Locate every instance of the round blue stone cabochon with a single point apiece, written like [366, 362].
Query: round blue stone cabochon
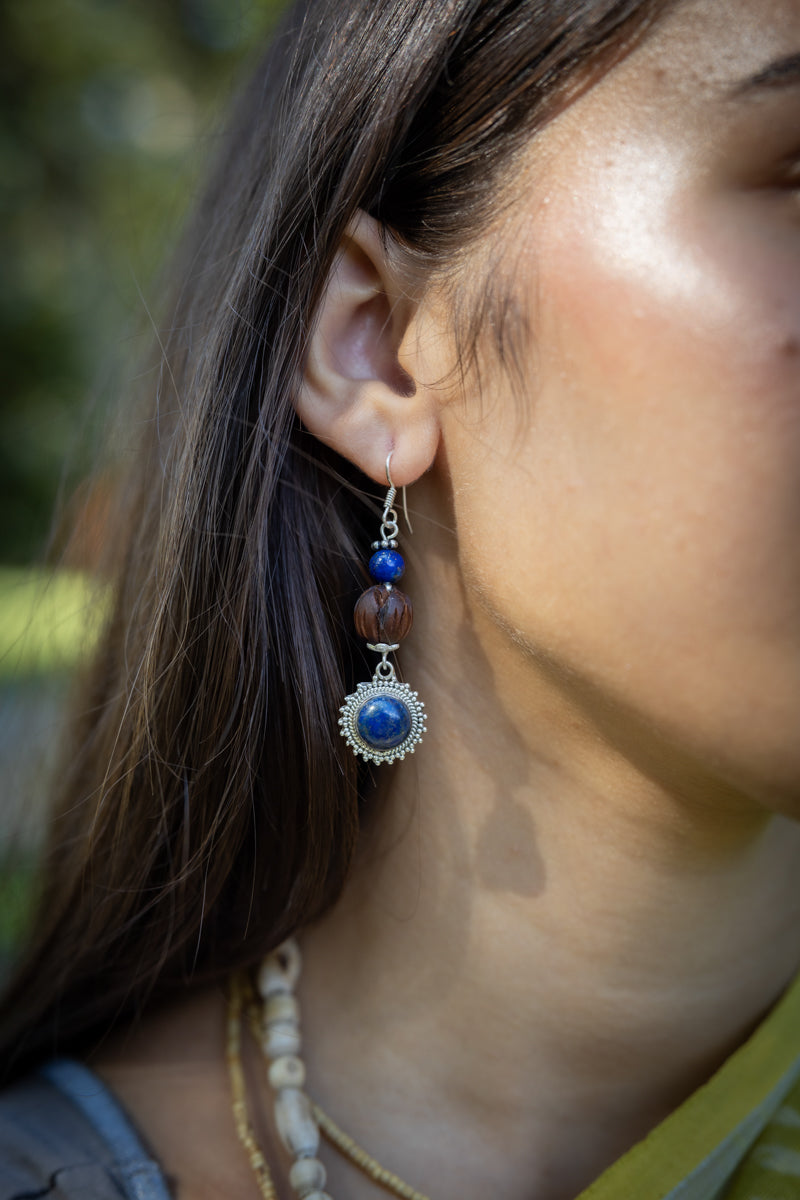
[386, 566]
[383, 722]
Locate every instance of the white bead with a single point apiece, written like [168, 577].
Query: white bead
[307, 1175]
[293, 960]
[280, 970]
[281, 1041]
[272, 978]
[317, 1196]
[287, 1071]
[281, 1007]
[297, 1128]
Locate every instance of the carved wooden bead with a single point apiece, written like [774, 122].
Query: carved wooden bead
[281, 1007]
[383, 614]
[296, 1125]
[287, 1071]
[307, 1175]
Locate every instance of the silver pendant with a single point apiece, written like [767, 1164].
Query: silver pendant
[383, 720]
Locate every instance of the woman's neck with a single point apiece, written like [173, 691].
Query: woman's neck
[540, 937]
[554, 925]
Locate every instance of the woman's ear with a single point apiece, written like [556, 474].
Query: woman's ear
[359, 392]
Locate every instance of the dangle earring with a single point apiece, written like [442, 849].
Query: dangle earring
[383, 720]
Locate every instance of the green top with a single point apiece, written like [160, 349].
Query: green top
[737, 1137]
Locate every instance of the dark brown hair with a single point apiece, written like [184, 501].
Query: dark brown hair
[207, 806]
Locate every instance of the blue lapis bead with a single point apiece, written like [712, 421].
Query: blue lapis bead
[386, 566]
[384, 722]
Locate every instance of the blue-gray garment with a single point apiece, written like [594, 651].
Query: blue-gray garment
[63, 1136]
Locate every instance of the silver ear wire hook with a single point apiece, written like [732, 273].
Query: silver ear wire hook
[390, 495]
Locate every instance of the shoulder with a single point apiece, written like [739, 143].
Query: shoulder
[63, 1136]
[47, 1146]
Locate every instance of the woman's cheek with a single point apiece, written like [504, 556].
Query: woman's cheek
[658, 480]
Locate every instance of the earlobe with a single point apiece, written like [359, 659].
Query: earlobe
[357, 395]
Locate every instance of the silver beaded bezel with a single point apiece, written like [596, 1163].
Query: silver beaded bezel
[348, 721]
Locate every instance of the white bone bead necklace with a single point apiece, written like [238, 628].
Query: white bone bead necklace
[297, 1119]
[281, 1044]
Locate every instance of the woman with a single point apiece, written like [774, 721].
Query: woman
[541, 264]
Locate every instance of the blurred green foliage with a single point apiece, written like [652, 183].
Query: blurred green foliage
[106, 110]
[48, 620]
[17, 892]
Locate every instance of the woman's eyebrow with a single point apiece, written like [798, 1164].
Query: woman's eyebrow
[783, 72]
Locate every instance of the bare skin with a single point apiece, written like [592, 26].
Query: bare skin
[581, 894]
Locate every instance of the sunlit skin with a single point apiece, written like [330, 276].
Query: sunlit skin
[581, 894]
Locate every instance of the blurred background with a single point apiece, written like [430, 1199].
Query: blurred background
[109, 112]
